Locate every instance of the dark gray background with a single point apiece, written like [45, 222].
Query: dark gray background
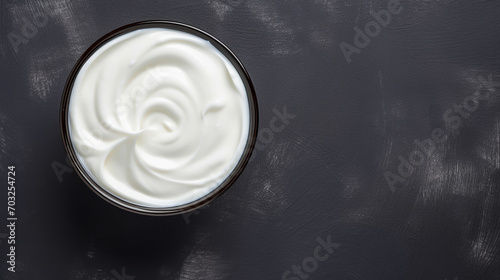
[322, 175]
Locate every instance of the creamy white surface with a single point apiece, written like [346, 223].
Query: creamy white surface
[158, 117]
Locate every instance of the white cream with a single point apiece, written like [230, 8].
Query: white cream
[159, 117]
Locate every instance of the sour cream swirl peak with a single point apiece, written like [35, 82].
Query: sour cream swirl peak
[158, 117]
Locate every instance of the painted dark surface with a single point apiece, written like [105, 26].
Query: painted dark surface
[322, 176]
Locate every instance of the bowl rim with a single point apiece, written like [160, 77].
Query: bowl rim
[147, 210]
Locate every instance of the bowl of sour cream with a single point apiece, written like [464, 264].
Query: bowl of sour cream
[159, 117]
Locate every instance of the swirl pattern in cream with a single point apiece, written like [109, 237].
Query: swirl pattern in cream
[158, 117]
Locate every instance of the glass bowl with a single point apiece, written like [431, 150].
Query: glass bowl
[133, 207]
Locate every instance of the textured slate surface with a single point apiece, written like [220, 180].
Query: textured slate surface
[432, 70]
